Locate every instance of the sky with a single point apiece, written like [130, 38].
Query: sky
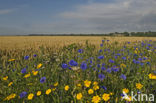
[22, 17]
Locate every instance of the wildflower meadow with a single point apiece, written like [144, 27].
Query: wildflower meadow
[109, 73]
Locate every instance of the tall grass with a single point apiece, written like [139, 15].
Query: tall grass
[68, 73]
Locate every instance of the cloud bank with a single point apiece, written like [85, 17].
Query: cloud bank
[121, 15]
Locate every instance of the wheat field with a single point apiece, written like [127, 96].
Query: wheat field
[25, 42]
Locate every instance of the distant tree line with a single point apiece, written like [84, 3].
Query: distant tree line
[138, 34]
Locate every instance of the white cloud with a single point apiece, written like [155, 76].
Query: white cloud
[121, 15]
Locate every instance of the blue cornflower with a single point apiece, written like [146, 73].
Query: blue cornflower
[101, 76]
[122, 94]
[72, 63]
[91, 58]
[103, 68]
[134, 61]
[141, 64]
[87, 60]
[141, 54]
[111, 61]
[70, 68]
[129, 42]
[115, 69]
[103, 64]
[147, 48]
[23, 94]
[142, 44]
[101, 45]
[144, 58]
[137, 62]
[103, 87]
[13, 70]
[34, 55]
[91, 61]
[115, 57]
[26, 66]
[83, 66]
[80, 50]
[98, 65]
[108, 50]
[148, 62]
[94, 69]
[103, 41]
[109, 70]
[124, 58]
[64, 66]
[124, 46]
[118, 54]
[123, 77]
[140, 59]
[149, 44]
[26, 57]
[90, 66]
[43, 79]
[100, 57]
[23, 70]
[100, 51]
[135, 55]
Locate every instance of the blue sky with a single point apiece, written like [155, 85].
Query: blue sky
[76, 16]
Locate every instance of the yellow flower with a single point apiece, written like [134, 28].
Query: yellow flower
[79, 85]
[35, 72]
[79, 96]
[11, 96]
[139, 86]
[11, 60]
[39, 66]
[95, 83]
[106, 96]
[122, 66]
[111, 93]
[90, 91]
[125, 90]
[38, 93]
[5, 78]
[27, 75]
[152, 76]
[66, 88]
[48, 91]
[135, 51]
[87, 83]
[53, 89]
[56, 84]
[10, 84]
[30, 96]
[96, 99]
[95, 87]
